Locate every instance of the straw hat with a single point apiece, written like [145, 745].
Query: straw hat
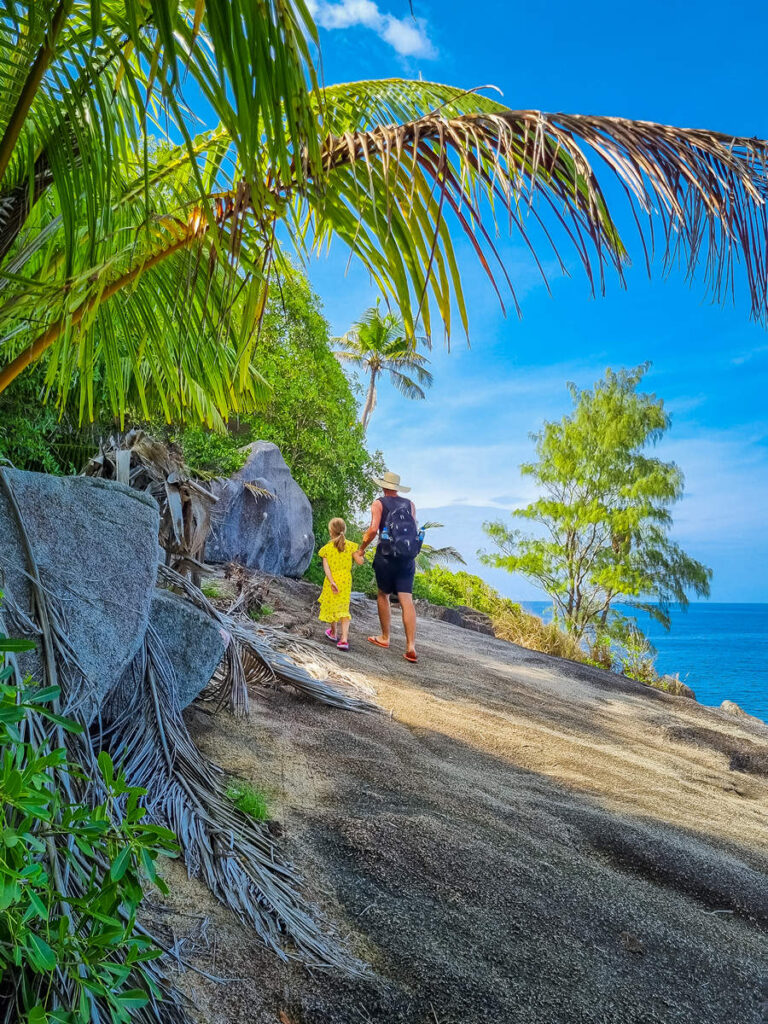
[390, 482]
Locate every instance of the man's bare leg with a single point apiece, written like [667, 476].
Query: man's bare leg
[385, 617]
[409, 621]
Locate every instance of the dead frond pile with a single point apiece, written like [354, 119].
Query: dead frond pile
[158, 469]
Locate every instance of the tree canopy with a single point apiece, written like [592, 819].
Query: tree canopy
[129, 232]
[603, 517]
[309, 413]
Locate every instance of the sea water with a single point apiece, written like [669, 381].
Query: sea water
[719, 650]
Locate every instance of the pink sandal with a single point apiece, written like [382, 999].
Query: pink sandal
[331, 636]
[343, 645]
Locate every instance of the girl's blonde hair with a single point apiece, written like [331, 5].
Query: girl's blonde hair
[338, 530]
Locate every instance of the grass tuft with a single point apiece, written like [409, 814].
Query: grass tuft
[263, 611]
[520, 627]
[211, 589]
[249, 800]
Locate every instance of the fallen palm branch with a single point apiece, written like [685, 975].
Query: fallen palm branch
[158, 469]
[141, 727]
[253, 657]
[234, 854]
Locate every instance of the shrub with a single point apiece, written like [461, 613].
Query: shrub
[71, 876]
[441, 586]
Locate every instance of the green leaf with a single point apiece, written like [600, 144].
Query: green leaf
[10, 645]
[120, 864]
[42, 954]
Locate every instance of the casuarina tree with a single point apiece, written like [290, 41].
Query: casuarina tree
[603, 517]
[377, 344]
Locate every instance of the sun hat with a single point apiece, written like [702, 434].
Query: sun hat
[390, 482]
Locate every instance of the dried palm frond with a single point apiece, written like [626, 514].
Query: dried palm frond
[157, 468]
[233, 853]
[252, 657]
[60, 668]
[142, 728]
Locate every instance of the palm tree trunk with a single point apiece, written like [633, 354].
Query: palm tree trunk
[370, 401]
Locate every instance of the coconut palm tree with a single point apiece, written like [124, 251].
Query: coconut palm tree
[377, 344]
[136, 251]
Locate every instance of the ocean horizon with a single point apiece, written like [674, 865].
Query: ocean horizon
[720, 650]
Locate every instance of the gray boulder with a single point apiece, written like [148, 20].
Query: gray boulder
[271, 533]
[194, 643]
[462, 615]
[95, 544]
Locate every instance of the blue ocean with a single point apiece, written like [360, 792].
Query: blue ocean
[719, 650]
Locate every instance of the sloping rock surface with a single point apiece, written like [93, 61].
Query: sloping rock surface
[95, 543]
[272, 533]
[524, 841]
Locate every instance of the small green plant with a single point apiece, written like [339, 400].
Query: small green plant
[211, 589]
[262, 612]
[71, 875]
[249, 800]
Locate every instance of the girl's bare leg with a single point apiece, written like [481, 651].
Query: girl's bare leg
[344, 630]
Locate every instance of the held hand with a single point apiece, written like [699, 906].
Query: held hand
[359, 557]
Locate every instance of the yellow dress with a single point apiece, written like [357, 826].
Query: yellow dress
[336, 606]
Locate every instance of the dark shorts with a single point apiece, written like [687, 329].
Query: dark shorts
[394, 575]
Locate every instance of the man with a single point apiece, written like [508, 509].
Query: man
[394, 573]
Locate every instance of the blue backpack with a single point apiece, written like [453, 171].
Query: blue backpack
[402, 533]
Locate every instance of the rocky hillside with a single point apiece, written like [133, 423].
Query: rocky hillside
[519, 839]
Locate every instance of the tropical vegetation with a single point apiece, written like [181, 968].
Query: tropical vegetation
[308, 410]
[603, 518]
[379, 344]
[72, 875]
[137, 247]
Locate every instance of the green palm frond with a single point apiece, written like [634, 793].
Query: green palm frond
[396, 192]
[405, 385]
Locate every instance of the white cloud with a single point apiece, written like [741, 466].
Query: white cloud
[407, 36]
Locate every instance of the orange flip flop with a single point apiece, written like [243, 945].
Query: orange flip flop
[411, 656]
[377, 643]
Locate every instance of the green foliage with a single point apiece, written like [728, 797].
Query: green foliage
[262, 612]
[441, 586]
[209, 452]
[32, 436]
[310, 413]
[211, 589]
[74, 945]
[249, 800]
[603, 518]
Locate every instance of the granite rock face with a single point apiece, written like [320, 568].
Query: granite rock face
[95, 545]
[271, 533]
[461, 615]
[194, 643]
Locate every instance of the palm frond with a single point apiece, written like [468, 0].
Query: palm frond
[253, 656]
[60, 669]
[405, 385]
[233, 853]
[391, 190]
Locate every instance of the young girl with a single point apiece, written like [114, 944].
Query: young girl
[334, 600]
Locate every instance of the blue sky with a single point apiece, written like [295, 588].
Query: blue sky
[680, 63]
